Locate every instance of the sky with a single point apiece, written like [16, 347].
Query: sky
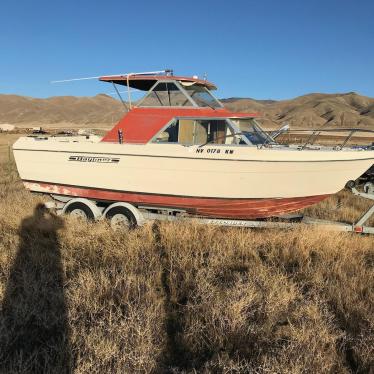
[264, 49]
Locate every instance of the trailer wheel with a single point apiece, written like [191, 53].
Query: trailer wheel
[80, 210]
[121, 218]
[350, 184]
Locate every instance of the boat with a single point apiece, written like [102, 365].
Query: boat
[179, 148]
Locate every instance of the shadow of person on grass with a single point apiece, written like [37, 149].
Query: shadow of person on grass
[34, 323]
[176, 354]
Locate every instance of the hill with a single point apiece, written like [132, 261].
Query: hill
[22, 110]
[312, 110]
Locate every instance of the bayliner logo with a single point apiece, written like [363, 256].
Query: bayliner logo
[104, 160]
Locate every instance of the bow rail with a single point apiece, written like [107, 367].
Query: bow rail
[316, 133]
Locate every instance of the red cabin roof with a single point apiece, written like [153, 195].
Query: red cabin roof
[145, 82]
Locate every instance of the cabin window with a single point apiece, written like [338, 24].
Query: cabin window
[252, 131]
[171, 94]
[197, 132]
[165, 94]
[202, 96]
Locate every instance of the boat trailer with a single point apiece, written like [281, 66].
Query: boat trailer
[292, 221]
[122, 214]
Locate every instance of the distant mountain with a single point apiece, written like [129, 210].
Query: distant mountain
[312, 110]
[235, 99]
[21, 110]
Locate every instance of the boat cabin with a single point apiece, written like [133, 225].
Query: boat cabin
[179, 110]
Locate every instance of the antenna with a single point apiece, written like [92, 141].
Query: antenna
[166, 71]
[74, 79]
[115, 92]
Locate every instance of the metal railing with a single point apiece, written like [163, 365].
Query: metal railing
[270, 141]
[317, 133]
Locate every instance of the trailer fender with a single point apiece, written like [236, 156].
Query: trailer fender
[96, 212]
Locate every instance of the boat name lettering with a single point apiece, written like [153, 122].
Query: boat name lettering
[94, 159]
[215, 150]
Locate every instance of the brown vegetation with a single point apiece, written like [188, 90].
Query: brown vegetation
[178, 297]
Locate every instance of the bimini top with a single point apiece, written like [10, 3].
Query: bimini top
[166, 90]
[145, 82]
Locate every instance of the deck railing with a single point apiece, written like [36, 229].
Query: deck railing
[315, 134]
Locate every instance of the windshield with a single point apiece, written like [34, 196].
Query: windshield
[252, 131]
[202, 96]
[165, 94]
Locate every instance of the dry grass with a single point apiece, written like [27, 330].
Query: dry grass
[6, 140]
[183, 298]
[342, 207]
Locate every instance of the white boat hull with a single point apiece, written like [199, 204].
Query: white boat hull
[215, 172]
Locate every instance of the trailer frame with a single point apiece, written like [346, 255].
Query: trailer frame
[138, 215]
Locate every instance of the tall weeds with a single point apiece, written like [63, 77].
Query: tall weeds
[178, 297]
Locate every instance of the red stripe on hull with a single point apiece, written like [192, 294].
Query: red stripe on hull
[208, 207]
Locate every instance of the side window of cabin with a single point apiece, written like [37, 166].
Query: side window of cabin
[252, 131]
[197, 132]
[169, 135]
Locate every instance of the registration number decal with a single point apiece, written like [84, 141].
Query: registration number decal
[215, 150]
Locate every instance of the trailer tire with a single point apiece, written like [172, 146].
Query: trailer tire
[350, 184]
[80, 210]
[121, 218]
